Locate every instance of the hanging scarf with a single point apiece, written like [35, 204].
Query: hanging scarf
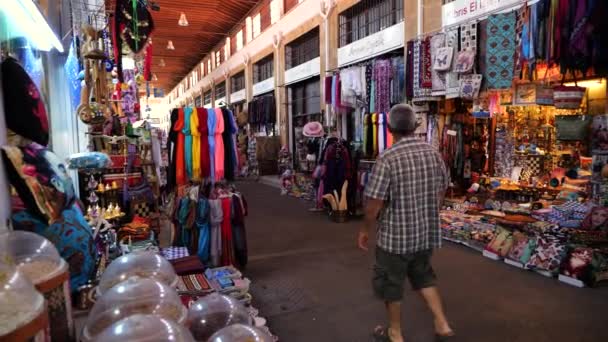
[381, 133]
[211, 123]
[219, 145]
[188, 141]
[227, 242]
[180, 171]
[202, 224]
[375, 133]
[204, 142]
[216, 217]
[196, 145]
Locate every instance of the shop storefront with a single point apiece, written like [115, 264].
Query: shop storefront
[514, 98]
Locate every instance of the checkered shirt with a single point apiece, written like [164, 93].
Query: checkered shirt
[409, 177]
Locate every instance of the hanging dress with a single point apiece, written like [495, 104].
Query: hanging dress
[239, 235]
[204, 142]
[196, 145]
[180, 171]
[204, 231]
[216, 216]
[228, 136]
[227, 242]
[188, 142]
[219, 145]
[211, 138]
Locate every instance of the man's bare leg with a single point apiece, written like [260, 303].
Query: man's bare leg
[394, 318]
[433, 301]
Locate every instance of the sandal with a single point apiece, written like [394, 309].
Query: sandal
[380, 334]
[444, 338]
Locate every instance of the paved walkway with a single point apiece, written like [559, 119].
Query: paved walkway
[313, 285]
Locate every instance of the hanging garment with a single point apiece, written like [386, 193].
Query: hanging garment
[338, 167]
[328, 83]
[426, 65]
[499, 51]
[409, 75]
[227, 242]
[182, 219]
[438, 77]
[204, 142]
[188, 142]
[452, 82]
[239, 234]
[382, 79]
[375, 134]
[202, 225]
[180, 167]
[229, 138]
[381, 133]
[366, 126]
[216, 216]
[172, 148]
[196, 145]
[211, 124]
[219, 145]
[389, 135]
[368, 86]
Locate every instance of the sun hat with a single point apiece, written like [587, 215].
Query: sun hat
[313, 129]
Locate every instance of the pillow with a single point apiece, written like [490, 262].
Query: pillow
[72, 237]
[24, 110]
[40, 179]
[548, 255]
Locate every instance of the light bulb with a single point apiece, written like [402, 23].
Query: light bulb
[170, 45]
[182, 20]
[161, 62]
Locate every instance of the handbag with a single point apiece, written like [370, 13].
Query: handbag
[470, 85]
[568, 97]
[464, 61]
[443, 59]
[572, 127]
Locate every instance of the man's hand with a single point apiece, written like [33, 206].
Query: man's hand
[363, 241]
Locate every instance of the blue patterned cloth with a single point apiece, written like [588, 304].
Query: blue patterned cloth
[500, 48]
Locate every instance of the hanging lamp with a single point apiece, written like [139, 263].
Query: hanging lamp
[170, 45]
[182, 20]
[161, 62]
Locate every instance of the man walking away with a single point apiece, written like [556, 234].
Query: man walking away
[404, 195]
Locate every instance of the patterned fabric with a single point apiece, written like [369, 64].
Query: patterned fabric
[548, 255]
[409, 175]
[500, 47]
[426, 64]
[72, 237]
[382, 77]
[452, 78]
[437, 42]
[409, 74]
[40, 178]
[468, 36]
[171, 253]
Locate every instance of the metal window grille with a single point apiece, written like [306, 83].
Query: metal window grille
[264, 69]
[207, 98]
[302, 49]
[220, 90]
[237, 82]
[368, 17]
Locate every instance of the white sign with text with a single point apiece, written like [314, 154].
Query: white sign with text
[460, 11]
[237, 96]
[384, 41]
[303, 71]
[263, 87]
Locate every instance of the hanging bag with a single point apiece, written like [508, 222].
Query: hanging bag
[572, 127]
[470, 85]
[544, 92]
[568, 97]
[443, 59]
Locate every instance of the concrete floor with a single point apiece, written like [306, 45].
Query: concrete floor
[313, 284]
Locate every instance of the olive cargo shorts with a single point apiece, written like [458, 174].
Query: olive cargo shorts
[391, 270]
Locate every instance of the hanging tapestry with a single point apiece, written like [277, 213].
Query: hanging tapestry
[468, 36]
[483, 43]
[437, 43]
[499, 50]
[452, 82]
[426, 64]
[409, 74]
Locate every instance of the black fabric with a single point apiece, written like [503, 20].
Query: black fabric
[23, 107]
[262, 110]
[172, 139]
[229, 167]
[239, 234]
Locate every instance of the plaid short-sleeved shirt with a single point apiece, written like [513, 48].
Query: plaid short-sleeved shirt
[409, 178]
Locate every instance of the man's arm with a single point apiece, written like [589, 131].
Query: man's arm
[376, 193]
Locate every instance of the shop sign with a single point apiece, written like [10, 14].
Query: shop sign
[263, 87]
[303, 71]
[237, 96]
[460, 11]
[376, 44]
[219, 101]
